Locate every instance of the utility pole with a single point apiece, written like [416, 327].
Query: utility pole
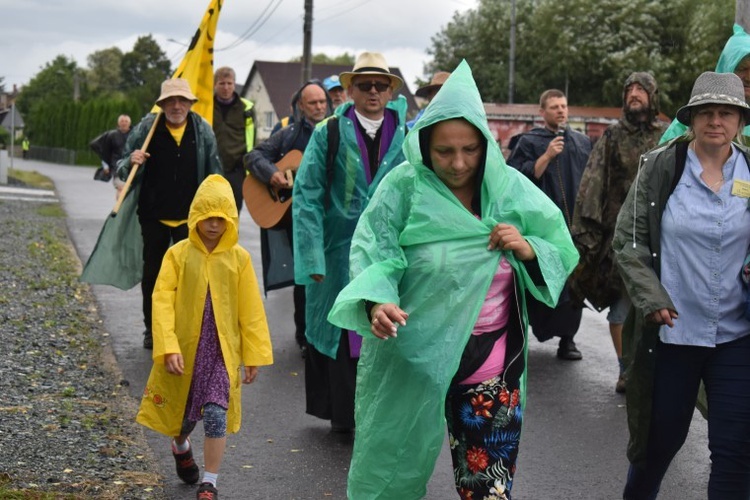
[742, 14]
[307, 43]
[512, 57]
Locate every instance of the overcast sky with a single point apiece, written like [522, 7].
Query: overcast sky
[36, 31]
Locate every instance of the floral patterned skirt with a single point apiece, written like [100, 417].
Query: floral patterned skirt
[484, 429]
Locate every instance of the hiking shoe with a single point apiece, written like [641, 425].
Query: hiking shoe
[622, 381]
[207, 491]
[187, 469]
[568, 350]
[148, 339]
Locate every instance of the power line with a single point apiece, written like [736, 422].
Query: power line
[338, 14]
[253, 29]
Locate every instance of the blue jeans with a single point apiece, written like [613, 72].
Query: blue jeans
[725, 371]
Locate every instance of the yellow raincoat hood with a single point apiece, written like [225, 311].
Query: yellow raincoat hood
[214, 198]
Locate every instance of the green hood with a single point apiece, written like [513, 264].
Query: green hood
[736, 49]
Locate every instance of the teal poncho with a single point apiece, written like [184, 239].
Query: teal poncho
[417, 246]
[736, 48]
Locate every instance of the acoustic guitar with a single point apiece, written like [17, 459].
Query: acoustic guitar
[268, 206]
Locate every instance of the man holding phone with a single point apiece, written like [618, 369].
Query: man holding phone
[554, 157]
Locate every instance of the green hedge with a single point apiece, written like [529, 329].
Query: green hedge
[72, 125]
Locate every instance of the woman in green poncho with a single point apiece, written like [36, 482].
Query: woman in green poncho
[440, 262]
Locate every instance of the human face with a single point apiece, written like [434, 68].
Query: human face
[224, 88]
[555, 112]
[743, 71]
[211, 231]
[176, 110]
[456, 148]
[123, 123]
[715, 125]
[370, 103]
[313, 103]
[636, 98]
[337, 95]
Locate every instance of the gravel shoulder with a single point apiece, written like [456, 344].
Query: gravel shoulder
[67, 426]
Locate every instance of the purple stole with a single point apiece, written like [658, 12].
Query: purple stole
[387, 131]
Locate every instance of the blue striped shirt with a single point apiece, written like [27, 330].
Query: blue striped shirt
[705, 237]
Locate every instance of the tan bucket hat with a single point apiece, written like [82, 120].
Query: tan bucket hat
[175, 87]
[370, 63]
[438, 79]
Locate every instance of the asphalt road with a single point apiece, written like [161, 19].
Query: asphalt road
[574, 438]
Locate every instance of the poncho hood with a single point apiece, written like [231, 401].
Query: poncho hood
[214, 198]
[648, 82]
[458, 98]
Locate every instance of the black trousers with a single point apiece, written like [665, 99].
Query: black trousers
[330, 383]
[156, 240]
[236, 178]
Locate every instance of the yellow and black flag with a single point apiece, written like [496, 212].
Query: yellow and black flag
[117, 258]
[197, 67]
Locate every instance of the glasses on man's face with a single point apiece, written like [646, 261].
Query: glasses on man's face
[366, 86]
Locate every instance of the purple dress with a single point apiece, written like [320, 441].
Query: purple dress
[210, 382]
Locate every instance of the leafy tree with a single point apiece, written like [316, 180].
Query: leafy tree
[50, 87]
[143, 70]
[585, 48]
[105, 71]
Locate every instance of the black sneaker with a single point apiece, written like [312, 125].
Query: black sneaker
[568, 350]
[207, 491]
[187, 469]
[148, 339]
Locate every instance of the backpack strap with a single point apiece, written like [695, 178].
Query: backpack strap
[333, 149]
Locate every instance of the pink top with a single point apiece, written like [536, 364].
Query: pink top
[493, 316]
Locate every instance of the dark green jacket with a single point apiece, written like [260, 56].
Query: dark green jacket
[637, 246]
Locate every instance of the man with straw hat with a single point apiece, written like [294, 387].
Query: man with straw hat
[343, 164]
[427, 92]
[182, 153]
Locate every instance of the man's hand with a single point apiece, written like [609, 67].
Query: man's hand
[278, 180]
[138, 157]
[555, 147]
[317, 278]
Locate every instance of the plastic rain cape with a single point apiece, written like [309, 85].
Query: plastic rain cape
[416, 245]
[736, 48]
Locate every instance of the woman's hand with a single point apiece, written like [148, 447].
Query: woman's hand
[507, 237]
[174, 363]
[385, 320]
[662, 317]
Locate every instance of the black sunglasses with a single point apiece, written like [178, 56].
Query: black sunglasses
[366, 86]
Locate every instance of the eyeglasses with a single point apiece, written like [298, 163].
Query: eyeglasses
[366, 86]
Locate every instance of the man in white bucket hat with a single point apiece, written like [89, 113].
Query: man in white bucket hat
[182, 153]
[344, 161]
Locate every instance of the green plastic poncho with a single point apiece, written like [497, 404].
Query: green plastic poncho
[417, 246]
[325, 217]
[736, 49]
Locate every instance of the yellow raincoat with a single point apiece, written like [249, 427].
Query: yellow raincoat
[178, 302]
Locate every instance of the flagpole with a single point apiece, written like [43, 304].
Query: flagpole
[134, 167]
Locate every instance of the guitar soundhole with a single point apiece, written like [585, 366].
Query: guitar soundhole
[284, 194]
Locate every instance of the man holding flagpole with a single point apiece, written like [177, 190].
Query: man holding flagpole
[182, 153]
[125, 253]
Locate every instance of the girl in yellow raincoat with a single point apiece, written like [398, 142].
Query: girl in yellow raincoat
[208, 323]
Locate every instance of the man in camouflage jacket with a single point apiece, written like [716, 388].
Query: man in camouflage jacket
[611, 169]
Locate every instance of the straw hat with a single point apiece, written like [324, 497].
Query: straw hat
[438, 79]
[715, 88]
[175, 87]
[370, 63]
